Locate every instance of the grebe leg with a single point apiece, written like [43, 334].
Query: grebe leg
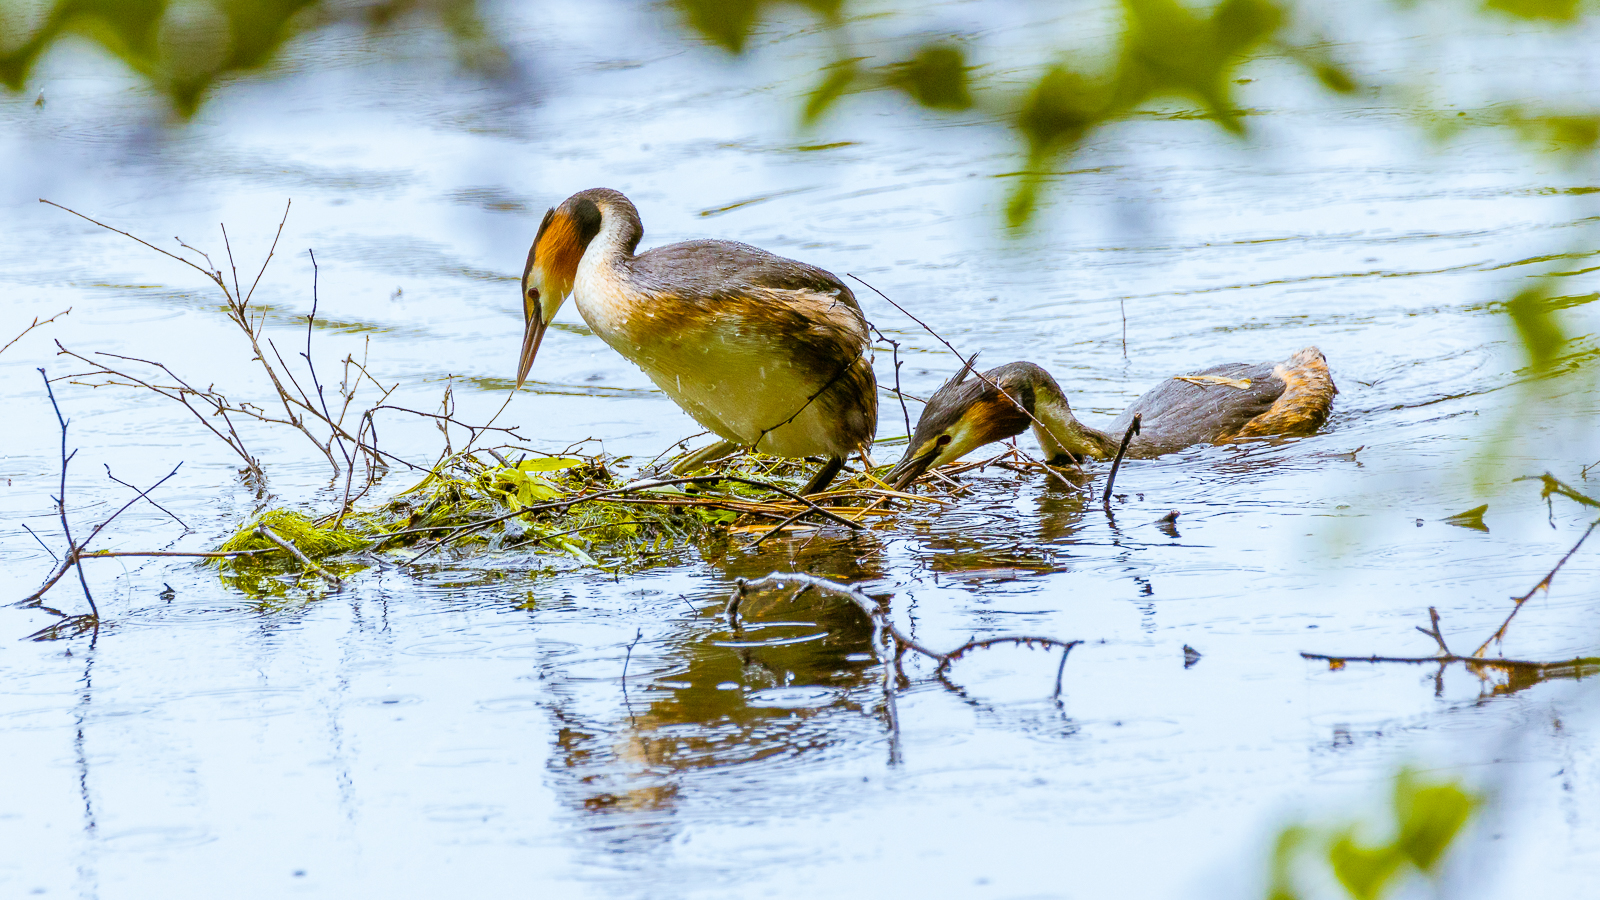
[697, 458]
[824, 476]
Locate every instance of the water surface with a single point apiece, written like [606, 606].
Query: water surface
[468, 729]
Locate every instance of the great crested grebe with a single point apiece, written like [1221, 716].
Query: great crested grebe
[1223, 403]
[768, 353]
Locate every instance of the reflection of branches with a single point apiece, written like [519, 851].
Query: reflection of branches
[888, 641]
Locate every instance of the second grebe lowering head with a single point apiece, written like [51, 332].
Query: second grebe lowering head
[1223, 403]
[767, 353]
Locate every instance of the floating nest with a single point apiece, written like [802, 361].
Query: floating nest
[563, 509]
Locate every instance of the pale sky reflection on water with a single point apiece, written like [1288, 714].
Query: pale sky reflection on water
[464, 732]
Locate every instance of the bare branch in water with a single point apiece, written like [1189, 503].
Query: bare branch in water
[1477, 662]
[170, 514]
[75, 549]
[61, 507]
[294, 551]
[1127, 437]
[36, 323]
[1544, 583]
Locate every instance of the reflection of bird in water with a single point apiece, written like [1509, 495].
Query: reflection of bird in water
[1223, 403]
[768, 353]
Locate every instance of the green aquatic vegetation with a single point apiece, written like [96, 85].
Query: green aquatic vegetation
[297, 528]
[569, 506]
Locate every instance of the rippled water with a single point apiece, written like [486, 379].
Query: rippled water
[470, 730]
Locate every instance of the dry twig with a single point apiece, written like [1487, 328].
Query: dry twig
[294, 551]
[1544, 583]
[323, 423]
[1477, 662]
[75, 549]
[628, 494]
[32, 325]
[1127, 436]
[979, 375]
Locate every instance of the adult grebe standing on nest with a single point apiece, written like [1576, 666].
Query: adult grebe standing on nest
[767, 353]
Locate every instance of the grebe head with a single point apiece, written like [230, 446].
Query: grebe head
[564, 236]
[965, 414]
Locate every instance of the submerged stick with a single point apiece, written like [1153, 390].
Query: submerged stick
[1469, 661]
[209, 554]
[294, 551]
[1127, 437]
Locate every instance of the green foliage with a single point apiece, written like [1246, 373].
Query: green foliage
[1538, 326]
[1549, 10]
[182, 48]
[729, 23]
[726, 23]
[315, 541]
[936, 77]
[1169, 49]
[1426, 818]
[838, 79]
[1166, 50]
[539, 505]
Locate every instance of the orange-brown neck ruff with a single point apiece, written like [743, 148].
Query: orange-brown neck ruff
[556, 251]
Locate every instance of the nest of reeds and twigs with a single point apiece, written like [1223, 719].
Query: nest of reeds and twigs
[572, 509]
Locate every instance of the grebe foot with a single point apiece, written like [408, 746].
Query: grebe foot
[687, 463]
[824, 476]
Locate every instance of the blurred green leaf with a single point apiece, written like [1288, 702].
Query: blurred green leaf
[1363, 871]
[1427, 817]
[182, 48]
[841, 75]
[726, 23]
[1284, 849]
[1548, 10]
[1573, 133]
[1181, 53]
[1538, 326]
[1430, 816]
[1060, 110]
[1239, 25]
[935, 77]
